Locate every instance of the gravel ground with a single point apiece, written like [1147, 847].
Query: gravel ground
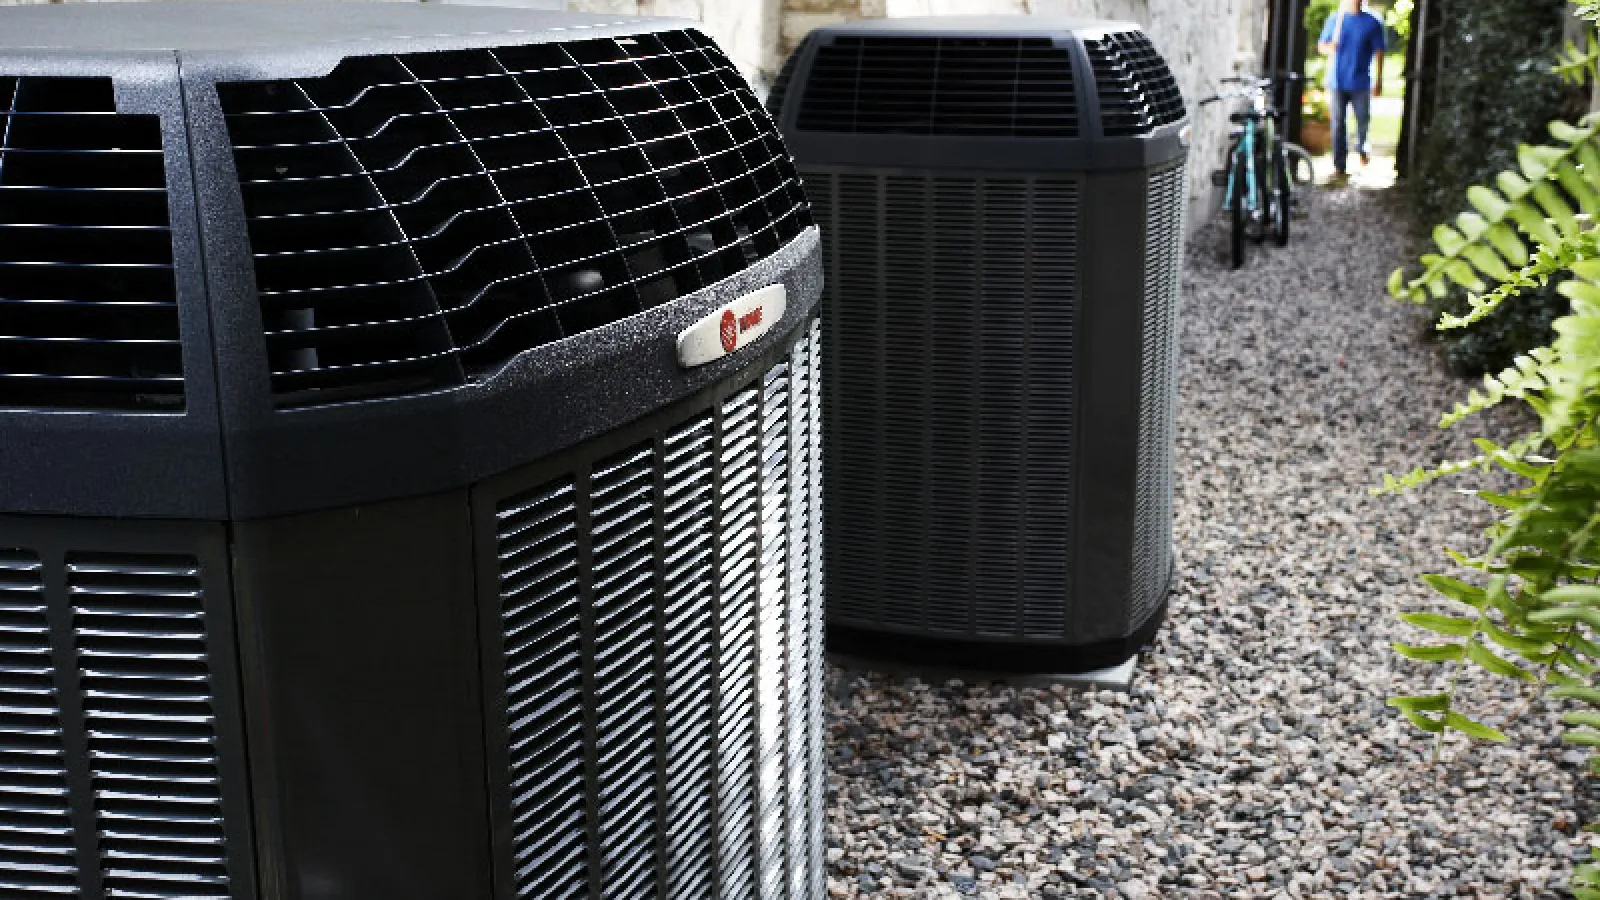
[1254, 756]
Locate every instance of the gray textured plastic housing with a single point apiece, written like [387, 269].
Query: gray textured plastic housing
[1001, 202]
[361, 535]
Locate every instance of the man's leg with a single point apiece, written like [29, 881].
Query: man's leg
[1336, 107]
[1362, 101]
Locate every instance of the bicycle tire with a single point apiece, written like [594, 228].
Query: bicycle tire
[1302, 179]
[1237, 210]
[1283, 198]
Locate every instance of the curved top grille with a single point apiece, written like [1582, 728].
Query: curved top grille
[419, 220]
[966, 86]
[88, 305]
[1136, 89]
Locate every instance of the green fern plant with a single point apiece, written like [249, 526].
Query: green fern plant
[1528, 606]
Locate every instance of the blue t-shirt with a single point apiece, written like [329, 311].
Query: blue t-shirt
[1360, 38]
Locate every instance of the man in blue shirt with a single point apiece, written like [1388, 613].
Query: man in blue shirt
[1351, 39]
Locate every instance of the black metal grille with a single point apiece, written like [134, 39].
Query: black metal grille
[1136, 89]
[109, 760]
[145, 676]
[981, 87]
[417, 221]
[951, 309]
[539, 589]
[37, 850]
[88, 305]
[1158, 395]
[668, 595]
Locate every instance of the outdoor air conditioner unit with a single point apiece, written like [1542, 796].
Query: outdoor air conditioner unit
[1001, 202]
[409, 427]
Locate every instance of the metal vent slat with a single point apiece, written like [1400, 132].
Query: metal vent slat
[774, 662]
[626, 692]
[955, 503]
[976, 87]
[88, 304]
[1152, 537]
[38, 856]
[1136, 89]
[144, 672]
[420, 220]
[540, 602]
[690, 561]
[738, 546]
[689, 463]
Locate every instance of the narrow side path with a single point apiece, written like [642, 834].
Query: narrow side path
[1255, 757]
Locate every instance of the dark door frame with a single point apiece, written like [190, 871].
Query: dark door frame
[1286, 52]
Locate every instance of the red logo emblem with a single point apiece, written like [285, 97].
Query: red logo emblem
[729, 331]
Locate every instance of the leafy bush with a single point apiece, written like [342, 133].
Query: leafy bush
[1493, 93]
[1530, 609]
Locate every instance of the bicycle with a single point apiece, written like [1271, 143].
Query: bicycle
[1260, 186]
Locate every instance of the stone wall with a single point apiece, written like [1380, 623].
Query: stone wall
[747, 29]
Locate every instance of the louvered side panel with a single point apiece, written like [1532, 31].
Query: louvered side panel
[953, 357]
[144, 671]
[773, 636]
[1001, 316]
[800, 585]
[626, 693]
[738, 545]
[817, 773]
[37, 850]
[853, 317]
[904, 405]
[1049, 404]
[688, 465]
[537, 547]
[951, 314]
[1152, 539]
[661, 617]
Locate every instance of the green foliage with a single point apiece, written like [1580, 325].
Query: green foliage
[1317, 14]
[1494, 94]
[1529, 609]
[1398, 19]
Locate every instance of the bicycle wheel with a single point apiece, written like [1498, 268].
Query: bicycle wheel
[1263, 214]
[1302, 178]
[1237, 210]
[1282, 198]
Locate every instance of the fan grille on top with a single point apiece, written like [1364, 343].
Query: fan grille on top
[981, 87]
[88, 305]
[1136, 89]
[419, 220]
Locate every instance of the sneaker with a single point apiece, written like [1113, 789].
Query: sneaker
[1366, 158]
[1338, 179]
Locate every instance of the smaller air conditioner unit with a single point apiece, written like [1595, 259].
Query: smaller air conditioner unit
[1002, 210]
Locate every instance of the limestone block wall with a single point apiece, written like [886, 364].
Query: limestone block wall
[747, 29]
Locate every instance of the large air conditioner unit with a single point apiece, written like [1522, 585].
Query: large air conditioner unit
[1001, 202]
[409, 427]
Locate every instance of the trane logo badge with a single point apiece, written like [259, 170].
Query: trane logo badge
[739, 324]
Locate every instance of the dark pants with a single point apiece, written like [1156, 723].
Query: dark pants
[1362, 102]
